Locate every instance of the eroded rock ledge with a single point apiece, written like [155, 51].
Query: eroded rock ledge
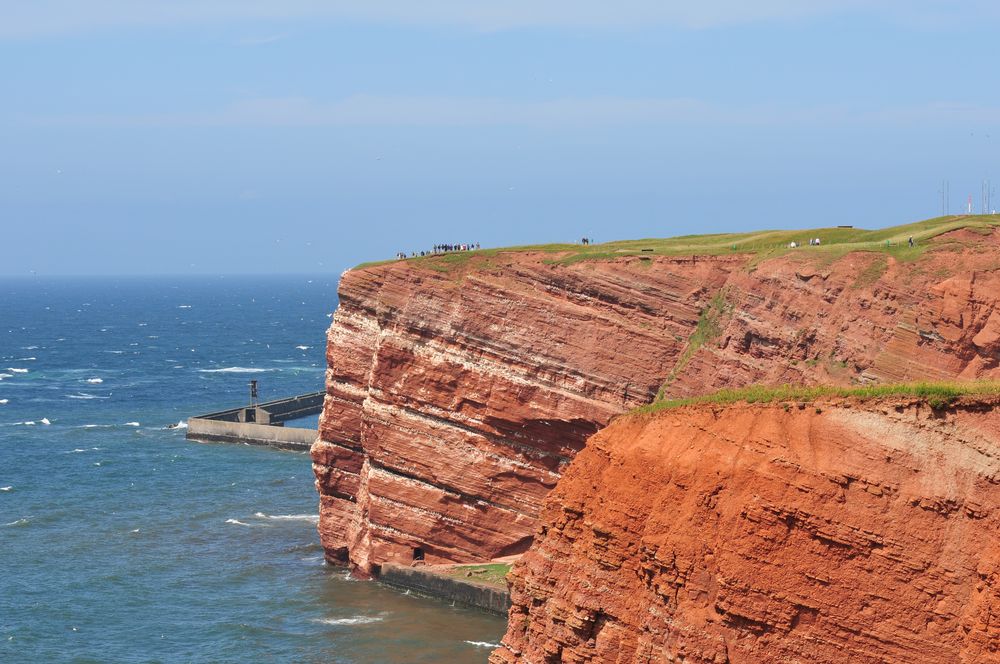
[841, 531]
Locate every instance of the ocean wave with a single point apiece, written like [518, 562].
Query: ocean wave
[483, 644]
[235, 370]
[288, 517]
[131, 424]
[45, 421]
[21, 371]
[354, 620]
[29, 347]
[180, 425]
[3, 401]
[26, 359]
[114, 352]
[95, 426]
[236, 522]
[183, 306]
[303, 347]
[6, 488]
[19, 522]
[95, 381]
[3, 375]
[84, 395]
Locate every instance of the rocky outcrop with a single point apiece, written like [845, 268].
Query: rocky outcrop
[836, 531]
[457, 393]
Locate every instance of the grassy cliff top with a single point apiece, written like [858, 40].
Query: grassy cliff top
[835, 242]
[937, 394]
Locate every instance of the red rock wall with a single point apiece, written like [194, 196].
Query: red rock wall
[839, 532]
[456, 399]
[454, 402]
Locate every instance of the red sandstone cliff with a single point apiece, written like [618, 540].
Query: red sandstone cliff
[839, 532]
[455, 399]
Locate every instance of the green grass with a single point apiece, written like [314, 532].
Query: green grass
[872, 273]
[761, 245]
[710, 324]
[937, 394]
[493, 573]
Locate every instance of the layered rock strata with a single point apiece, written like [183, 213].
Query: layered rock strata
[457, 394]
[838, 531]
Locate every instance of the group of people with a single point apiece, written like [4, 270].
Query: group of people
[445, 248]
[586, 240]
[814, 242]
[439, 249]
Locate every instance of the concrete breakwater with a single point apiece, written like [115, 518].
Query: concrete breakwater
[434, 583]
[263, 424]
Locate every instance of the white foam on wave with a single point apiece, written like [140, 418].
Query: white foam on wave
[180, 425]
[303, 347]
[6, 488]
[3, 401]
[353, 620]
[3, 375]
[288, 517]
[114, 352]
[235, 370]
[19, 522]
[29, 423]
[95, 381]
[26, 359]
[17, 371]
[45, 421]
[236, 522]
[131, 424]
[183, 306]
[29, 347]
[483, 644]
[84, 395]
[95, 426]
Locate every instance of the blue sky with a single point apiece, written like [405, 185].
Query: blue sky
[228, 136]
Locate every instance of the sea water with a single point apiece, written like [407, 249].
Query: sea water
[120, 541]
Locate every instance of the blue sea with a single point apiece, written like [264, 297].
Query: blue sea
[120, 541]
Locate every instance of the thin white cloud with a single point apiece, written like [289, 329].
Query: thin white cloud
[373, 110]
[53, 17]
[261, 41]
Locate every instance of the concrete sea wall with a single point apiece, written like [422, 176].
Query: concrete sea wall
[493, 599]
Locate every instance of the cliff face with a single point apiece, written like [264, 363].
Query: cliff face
[455, 401]
[838, 532]
[456, 398]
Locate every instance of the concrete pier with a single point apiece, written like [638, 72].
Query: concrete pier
[261, 425]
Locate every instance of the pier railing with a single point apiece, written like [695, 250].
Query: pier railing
[260, 425]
